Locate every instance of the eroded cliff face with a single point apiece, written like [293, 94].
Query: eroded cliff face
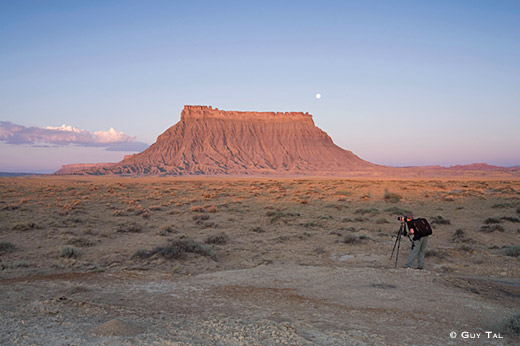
[210, 141]
[79, 167]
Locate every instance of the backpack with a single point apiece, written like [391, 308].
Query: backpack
[421, 228]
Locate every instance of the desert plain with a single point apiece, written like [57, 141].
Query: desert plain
[256, 261]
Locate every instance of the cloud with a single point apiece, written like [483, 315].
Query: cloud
[65, 134]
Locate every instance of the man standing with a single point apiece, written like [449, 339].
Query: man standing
[420, 229]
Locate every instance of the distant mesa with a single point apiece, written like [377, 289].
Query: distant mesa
[209, 141]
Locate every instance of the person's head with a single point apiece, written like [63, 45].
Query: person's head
[409, 217]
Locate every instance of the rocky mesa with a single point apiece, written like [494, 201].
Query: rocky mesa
[209, 141]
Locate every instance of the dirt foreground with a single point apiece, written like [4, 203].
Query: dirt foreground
[269, 262]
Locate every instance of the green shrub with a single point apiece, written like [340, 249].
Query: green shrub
[69, 252]
[363, 211]
[492, 228]
[382, 220]
[513, 251]
[6, 246]
[510, 218]
[502, 205]
[491, 220]
[397, 211]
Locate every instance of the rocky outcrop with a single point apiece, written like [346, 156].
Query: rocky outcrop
[210, 141]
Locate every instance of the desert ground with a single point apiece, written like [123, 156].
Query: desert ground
[256, 261]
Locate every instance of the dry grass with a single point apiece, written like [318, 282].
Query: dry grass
[276, 220]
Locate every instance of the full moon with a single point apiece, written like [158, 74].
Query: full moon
[318, 96]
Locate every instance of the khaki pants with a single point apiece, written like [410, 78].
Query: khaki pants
[417, 251]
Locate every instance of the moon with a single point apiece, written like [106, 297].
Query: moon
[318, 96]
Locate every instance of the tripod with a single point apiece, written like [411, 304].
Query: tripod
[397, 242]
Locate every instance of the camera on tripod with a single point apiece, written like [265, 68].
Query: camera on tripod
[401, 218]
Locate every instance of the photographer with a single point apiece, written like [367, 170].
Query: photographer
[420, 229]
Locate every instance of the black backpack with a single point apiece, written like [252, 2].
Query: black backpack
[421, 228]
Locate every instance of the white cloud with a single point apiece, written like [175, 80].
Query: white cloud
[65, 135]
[112, 136]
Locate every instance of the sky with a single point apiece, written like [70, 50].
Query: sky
[402, 82]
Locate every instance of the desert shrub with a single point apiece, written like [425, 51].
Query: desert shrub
[518, 210]
[81, 242]
[325, 217]
[511, 326]
[351, 239]
[130, 228]
[26, 226]
[439, 220]
[209, 224]
[197, 209]
[166, 230]
[319, 250]
[359, 219]
[177, 249]
[397, 211]
[363, 211]
[435, 253]
[275, 216]
[69, 252]
[491, 220]
[257, 229]
[510, 218]
[142, 254]
[310, 224]
[382, 220]
[349, 229]
[466, 248]
[512, 250]
[364, 237]
[6, 246]
[502, 205]
[392, 196]
[202, 217]
[459, 236]
[218, 239]
[346, 219]
[20, 264]
[492, 228]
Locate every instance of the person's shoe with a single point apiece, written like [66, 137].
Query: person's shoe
[419, 268]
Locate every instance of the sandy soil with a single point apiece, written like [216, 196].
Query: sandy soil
[273, 261]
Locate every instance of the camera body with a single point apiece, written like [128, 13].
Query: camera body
[401, 218]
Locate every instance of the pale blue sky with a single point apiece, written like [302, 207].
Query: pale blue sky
[403, 82]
